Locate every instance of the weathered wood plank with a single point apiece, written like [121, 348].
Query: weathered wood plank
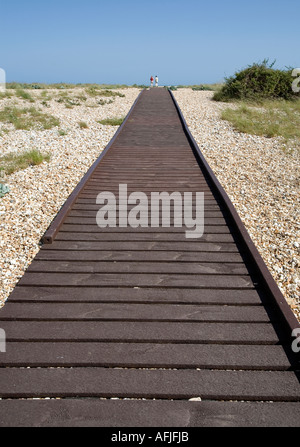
[137, 267]
[136, 295]
[136, 280]
[142, 355]
[149, 256]
[91, 412]
[136, 311]
[143, 331]
[158, 383]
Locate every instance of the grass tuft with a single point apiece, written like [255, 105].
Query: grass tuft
[20, 93]
[268, 118]
[27, 119]
[96, 91]
[112, 121]
[12, 162]
[5, 94]
[82, 125]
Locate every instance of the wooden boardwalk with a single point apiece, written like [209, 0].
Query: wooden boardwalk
[146, 315]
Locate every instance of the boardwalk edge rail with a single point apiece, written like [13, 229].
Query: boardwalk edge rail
[57, 222]
[260, 266]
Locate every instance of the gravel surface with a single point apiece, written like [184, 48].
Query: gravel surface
[261, 179]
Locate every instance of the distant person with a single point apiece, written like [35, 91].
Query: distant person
[151, 81]
[156, 81]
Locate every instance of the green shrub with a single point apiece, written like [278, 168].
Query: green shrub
[258, 82]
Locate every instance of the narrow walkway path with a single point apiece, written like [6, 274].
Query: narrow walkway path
[145, 314]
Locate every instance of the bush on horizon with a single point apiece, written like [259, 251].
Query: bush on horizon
[258, 82]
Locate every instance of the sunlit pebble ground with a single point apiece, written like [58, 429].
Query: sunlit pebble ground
[261, 179]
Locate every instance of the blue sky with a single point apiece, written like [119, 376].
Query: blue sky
[117, 41]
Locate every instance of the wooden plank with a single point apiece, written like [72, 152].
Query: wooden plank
[129, 312]
[91, 412]
[144, 246]
[90, 204]
[93, 192]
[96, 235]
[111, 294]
[149, 256]
[171, 233]
[137, 267]
[209, 206]
[140, 232]
[89, 201]
[136, 280]
[145, 355]
[144, 331]
[149, 383]
[148, 183]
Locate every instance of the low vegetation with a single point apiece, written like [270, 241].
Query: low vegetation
[112, 121]
[20, 93]
[6, 94]
[203, 88]
[96, 91]
[102, 102]
[271, 119]
[12, 162]
[62, 132]
[67, 100]
[266, 104]
[65, 86]
[258, 82]
[82, 125]
[27, 118]
[196, 87]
